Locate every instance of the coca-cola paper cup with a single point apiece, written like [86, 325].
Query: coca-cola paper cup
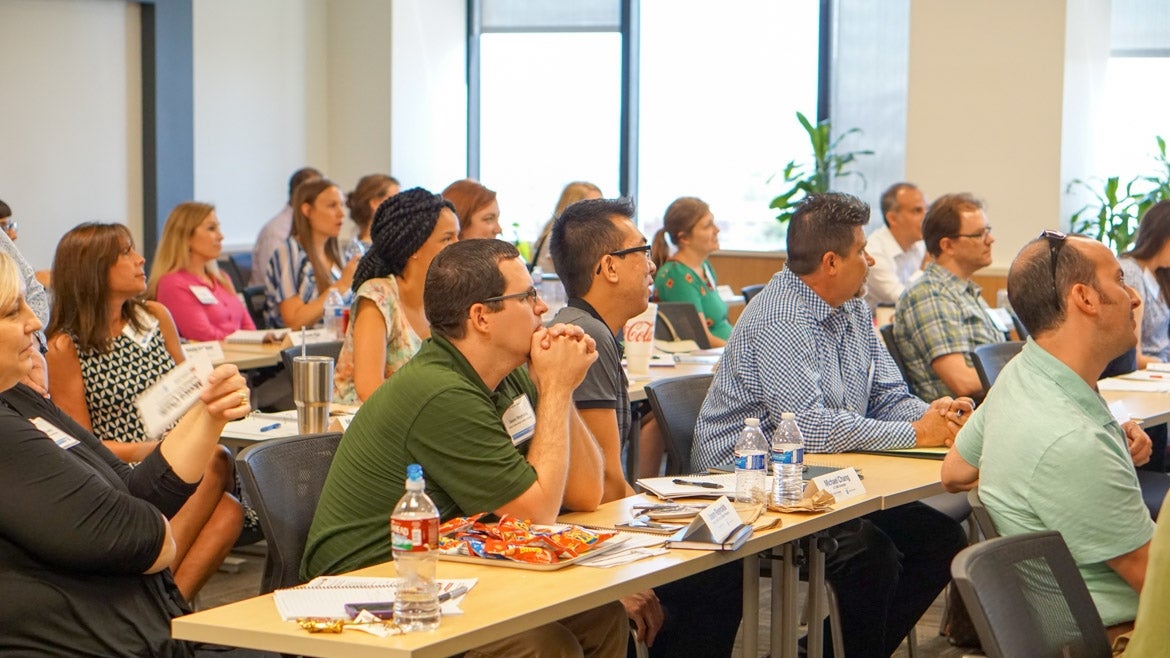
[639, 340]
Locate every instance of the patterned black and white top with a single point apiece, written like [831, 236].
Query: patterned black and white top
[114, 378]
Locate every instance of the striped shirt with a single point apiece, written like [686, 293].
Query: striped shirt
[791, 351]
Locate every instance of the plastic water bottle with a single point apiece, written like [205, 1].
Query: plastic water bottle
[787, 461]
[335, 314]
[414, 540]
[750, 469]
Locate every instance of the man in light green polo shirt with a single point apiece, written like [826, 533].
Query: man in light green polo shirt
[1044, 448]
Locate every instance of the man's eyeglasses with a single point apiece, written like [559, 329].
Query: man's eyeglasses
[981, 235]
[621, 253]
[531, 295]
[1056, 241]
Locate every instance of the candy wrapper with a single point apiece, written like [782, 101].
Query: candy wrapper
[819, 501]
[516, 540]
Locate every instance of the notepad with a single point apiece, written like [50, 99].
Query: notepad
[666, 487]
[256, 336]
[326, 596]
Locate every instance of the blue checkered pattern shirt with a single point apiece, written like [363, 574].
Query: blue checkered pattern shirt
[791, 351]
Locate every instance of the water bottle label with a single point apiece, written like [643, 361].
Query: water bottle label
[749, 462]
[414, 534]
[795, 456]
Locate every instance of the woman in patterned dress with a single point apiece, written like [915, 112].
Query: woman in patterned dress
[106, 346]
[388, 324]
[687, 276]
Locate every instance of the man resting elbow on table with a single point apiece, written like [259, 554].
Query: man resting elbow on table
[605, 290]
[490, 435]
[1043, 447]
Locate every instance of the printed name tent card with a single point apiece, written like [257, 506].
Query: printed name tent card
[718, 527]
[843, 484]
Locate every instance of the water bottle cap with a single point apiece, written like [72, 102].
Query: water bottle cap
[752, 422]
[787, 415]
[414, 472]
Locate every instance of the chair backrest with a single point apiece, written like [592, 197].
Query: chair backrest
[1122, 365]
[331, 349]
[1026, 598]
[235, 273]
[887, 332]
[991, 358]
[680, 321]
[282, 481]
[982, 517]
[255, 298]
[242, 262]
[676, 402]
[751, 291]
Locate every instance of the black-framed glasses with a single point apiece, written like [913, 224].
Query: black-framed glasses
[981, 235]
[530, 295]
[1056, 241]
[621, 253]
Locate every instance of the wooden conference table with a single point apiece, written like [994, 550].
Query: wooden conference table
[248, 356]
[507, 600]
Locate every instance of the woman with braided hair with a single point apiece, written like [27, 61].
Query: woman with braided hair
[388, 323]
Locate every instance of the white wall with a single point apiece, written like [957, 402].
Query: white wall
[71, 119]
[261, 105]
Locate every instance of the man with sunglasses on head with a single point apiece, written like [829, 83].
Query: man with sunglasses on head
[942, 318]
[604, 262]
[1045, 449]
[491, 435]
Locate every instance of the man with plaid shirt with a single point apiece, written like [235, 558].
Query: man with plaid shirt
[942, 318]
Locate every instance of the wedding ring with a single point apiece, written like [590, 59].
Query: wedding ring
[244, 399]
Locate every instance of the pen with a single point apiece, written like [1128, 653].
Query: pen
[269, 428]
[697, 483]
[457, 592]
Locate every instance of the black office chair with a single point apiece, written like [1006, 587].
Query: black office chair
[238, 276]
[255, 299]
[1026, 598]
[329, 348]
[282, 481]
[887, 332]
[680, 321]
[751, 291]
[675, 403]
[991, 358]
[980, 514]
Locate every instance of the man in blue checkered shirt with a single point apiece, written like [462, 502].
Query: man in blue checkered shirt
[806, 344]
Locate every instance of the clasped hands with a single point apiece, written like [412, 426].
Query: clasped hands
[942, 421]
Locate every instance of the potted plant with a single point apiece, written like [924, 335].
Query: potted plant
[830, 162]
[1113, 214]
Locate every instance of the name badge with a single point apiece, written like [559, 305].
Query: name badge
[520, 420]
[63, 440]
[204, 295]
[843, 484]
[171, 396]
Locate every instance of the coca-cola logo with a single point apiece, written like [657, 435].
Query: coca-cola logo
[640, 331]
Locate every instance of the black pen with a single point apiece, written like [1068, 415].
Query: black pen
[697, 483]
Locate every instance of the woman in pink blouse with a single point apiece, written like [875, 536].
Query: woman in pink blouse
[186, 279]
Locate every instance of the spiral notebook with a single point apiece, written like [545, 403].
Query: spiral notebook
[326, 596]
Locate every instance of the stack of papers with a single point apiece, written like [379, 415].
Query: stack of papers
[326, 596]
[1143, 384]
[685, 486]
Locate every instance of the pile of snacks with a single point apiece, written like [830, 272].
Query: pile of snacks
[516, 540]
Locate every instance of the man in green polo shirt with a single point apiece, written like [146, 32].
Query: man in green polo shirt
[491, 435]
[1044, 448]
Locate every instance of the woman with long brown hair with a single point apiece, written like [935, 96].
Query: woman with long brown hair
[106, 346]
[303, 269]
[687, 276]
[1147, 270]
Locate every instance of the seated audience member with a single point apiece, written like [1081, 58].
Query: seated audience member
[185, 278]
[897, 249]
[309, 263]
[367, 195]
[573, 192]
[7, 222]
[388, 325]
[107, 346]
[1044, 446]
[35, 294]
[601, 300]
[1147, 269]
[476, 207]
[806, 345]
[687, 276]
[85, 542]
[445, 410]
[942, 318]
[276, 230]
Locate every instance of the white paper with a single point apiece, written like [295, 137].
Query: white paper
[327, 596]
[721, 519]
[172, 395]
[1133, 385]
[210, 350]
